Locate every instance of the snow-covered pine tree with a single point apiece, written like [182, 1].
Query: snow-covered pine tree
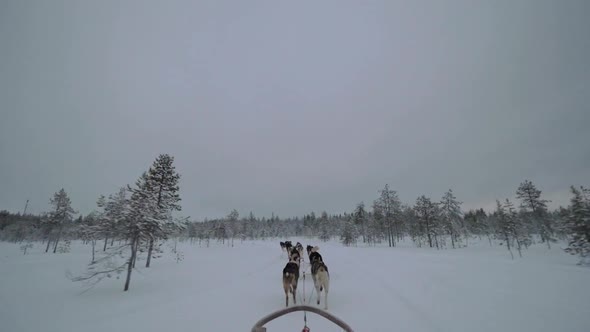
[451, 216]
[506, 226]
[413, 226]
[113, 217]
[205, 232]
[349, 233]
[324, 224]
[250, 228]
[192, 232]
[99, 224]
[375, 229]
[162, 179]
[18, 228]
[310, 225]
[115, 213]
[520, 235]
[475, 222]
[471, 225]
[89, 230]
[360, 219]
[536, 208]
[390, 205]
[58, 218]
[176, 229]
[427, 216]
[142, 220]
[523, 230]
[560, 221]
[232, 224]
[220, 232]
[101, 203]
[578, 224]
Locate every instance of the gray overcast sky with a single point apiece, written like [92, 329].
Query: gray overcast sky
[293, 106]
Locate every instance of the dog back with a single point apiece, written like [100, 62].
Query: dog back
[315, 256]
[321, 280]
[295, 257]
[291, 273]
[318, 266]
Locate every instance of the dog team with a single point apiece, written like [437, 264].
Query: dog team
[319, 271]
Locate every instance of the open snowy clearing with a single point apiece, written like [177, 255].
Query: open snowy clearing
[372, 288]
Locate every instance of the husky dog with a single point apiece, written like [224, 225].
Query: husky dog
[299, 248]
[288, 246]
[294, 256]
[282, 246]
[321, 278]
[290, 280]
[314, 255]
[311, 249]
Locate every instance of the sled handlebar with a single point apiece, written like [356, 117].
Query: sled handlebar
[259, 326]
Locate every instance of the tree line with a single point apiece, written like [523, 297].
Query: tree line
[135, 218]
[138, 219]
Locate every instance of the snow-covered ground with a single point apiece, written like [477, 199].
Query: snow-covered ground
[373, 289]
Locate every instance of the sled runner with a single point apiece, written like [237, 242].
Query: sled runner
[259, 326]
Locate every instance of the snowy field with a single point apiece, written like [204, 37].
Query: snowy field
[372, 289]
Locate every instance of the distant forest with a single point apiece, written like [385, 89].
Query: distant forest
[138, 219]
